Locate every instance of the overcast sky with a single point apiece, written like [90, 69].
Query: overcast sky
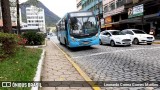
[59, 7]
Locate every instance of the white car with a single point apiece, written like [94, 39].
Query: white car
[138, 36]
[114, 37]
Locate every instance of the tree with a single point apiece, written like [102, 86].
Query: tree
[7, 25]
[18, 18]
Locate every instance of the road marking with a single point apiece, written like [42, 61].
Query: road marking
[114, 52]
[82, 73]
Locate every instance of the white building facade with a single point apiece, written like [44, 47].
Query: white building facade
[79, 4]
[36, 18]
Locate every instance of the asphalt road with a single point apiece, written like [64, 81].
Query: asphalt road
[106, 63]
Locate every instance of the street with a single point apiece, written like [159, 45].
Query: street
[106, 63]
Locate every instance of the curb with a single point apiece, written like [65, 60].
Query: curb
[39, 69]
[80, 71]
[39, 46]
[156, 42]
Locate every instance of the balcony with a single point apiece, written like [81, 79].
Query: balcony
[122, 2]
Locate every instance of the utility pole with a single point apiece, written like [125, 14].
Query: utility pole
[18, 21]
[99, 13]
[6, 15]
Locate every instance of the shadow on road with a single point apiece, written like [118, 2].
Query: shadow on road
[78, 48]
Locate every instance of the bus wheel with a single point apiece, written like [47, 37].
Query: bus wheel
[66, 43]
[100, 42]
[60, 42]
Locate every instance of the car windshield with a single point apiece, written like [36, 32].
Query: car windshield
[116, 33]
[139, 32]
[83, 26]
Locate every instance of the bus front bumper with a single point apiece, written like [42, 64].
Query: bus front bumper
[81, 43]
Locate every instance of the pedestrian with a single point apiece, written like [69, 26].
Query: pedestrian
[48, 36]
[152, 31]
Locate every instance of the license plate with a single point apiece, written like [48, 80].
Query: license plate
[127, 42]
[85, 42]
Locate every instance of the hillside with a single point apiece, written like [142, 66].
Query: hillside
[50, 17]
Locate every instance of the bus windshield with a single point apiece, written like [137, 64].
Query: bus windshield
[83, 26]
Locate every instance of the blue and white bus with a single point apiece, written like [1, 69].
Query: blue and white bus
[78, 29]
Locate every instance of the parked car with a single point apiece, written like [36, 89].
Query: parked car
[139, 36]
[114, 37]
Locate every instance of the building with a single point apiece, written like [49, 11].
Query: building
[79, 5]
[149, 16]
[94, 6]
[139, 14]
[114, 12]
[36, 18]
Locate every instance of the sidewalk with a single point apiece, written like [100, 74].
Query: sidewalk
[156, 42]
[57, 68]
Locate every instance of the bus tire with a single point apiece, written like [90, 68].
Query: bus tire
[100, 42]
[60, 43]
[66, 42]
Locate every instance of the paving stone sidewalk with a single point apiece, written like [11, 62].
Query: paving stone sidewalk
[57, 68]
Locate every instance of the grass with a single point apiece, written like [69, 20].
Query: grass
[20, 67]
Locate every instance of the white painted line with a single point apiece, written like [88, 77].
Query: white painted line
[39, 69]
[115, 52]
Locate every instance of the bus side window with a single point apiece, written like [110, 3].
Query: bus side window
[65, 24]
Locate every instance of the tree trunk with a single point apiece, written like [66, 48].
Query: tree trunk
[7, 25]
[18, 21]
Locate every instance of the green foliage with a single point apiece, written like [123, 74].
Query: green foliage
[8, 43]
[20, 67]
[34, 38]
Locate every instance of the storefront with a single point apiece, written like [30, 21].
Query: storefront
[108, 20]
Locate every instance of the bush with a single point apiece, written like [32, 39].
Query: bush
[22, 41]
[33, 38]
[8, 43]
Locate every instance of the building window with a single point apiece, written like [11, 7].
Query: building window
[105, 9]
[112, 6]
[120, 3]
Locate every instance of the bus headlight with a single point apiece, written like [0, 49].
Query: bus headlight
[73, 39]
[97, 35]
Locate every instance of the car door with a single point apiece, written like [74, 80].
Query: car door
[102, 37]
[131, 34]
[107, 36]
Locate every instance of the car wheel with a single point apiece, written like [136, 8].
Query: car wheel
[135, 41]
[112, 43]
[149, 43]
[100, 42]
